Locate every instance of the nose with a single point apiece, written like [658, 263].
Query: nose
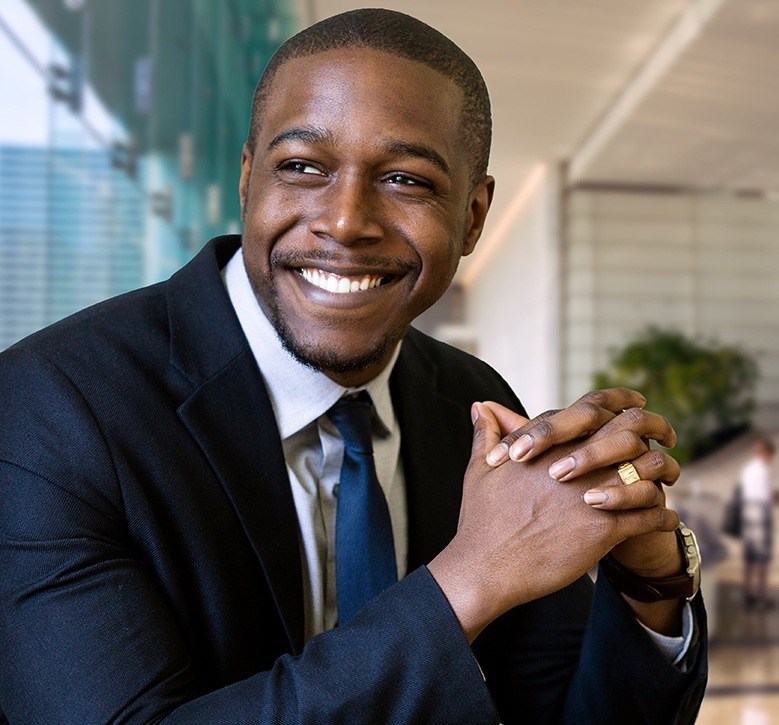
[348, 212]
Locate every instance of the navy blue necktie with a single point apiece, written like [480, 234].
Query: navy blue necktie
[364, 547]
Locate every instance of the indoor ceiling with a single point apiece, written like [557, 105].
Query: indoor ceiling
[665, 93]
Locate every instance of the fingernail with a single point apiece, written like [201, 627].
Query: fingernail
[521, 447]
[562, 468]
[498, 454]
[474, 412]
[595, 497]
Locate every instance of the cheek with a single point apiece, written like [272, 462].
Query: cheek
[266, 225]
[440, 254]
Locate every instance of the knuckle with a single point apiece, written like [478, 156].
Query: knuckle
[629, 440]
[655, 461]
[590, 411]
[635, 417]
[594, 397]
[542, 430]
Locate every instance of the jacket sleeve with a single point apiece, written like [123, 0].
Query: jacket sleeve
[580, 657]
[622, 671]
[86, 635]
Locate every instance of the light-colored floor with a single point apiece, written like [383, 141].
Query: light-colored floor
[744, 656]
[740, 710]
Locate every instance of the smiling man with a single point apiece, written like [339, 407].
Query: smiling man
[253, 493]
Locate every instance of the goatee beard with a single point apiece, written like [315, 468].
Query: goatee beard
[327, 361]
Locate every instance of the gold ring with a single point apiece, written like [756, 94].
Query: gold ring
[628, 473]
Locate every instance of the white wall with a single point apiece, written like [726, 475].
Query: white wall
[512, 304]
[705, 264]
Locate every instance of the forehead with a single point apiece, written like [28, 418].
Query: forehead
[365, 90]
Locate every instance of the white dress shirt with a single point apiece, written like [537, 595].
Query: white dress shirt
[313, 452]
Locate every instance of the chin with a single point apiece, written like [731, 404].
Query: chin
[333, 362]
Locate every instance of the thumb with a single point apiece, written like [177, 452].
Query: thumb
[508, 420]
[486, 429]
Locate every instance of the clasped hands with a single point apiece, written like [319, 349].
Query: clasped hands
[543, 502]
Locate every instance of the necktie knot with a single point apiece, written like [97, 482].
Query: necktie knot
[352, 417]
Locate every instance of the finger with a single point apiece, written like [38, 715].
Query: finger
[645, 521]
[486, 430]
[639, 495]
[646, 423]
[500, 453]
[658, 466]
[508, 420]
[578, 420]
[614, 399]
[624, 445]
[589, 413]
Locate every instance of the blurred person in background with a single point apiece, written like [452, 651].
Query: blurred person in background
[177, 464]
[759, 497]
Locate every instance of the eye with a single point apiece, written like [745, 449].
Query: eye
[300, 167]
[406, 180]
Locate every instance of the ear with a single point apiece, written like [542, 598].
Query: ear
[246, 170]
[478, 206]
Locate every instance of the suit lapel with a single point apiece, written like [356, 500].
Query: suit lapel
[435, 448]
[230, 416]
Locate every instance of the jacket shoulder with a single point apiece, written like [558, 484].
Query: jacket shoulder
[459, 374]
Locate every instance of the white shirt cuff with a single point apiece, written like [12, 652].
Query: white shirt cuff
[674, 648]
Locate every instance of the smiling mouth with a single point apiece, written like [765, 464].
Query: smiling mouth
[340, 284]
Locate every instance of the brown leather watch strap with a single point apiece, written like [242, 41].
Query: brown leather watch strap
[646, 589]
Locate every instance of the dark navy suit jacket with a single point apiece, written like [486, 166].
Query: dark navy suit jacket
[150, 556]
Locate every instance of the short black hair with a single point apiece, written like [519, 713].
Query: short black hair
[404, 36]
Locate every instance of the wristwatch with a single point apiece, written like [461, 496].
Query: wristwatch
[647, 589]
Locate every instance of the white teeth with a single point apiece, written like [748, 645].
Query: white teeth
[338, 284]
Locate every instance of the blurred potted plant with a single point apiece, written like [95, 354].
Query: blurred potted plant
[705, 389]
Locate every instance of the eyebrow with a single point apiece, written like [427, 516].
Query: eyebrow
[420, 151]
[313, 134]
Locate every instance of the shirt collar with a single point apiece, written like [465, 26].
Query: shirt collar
[298, 393]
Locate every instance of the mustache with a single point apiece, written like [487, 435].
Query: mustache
[305, 259]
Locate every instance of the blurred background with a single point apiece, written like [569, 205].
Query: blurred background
[634, 237]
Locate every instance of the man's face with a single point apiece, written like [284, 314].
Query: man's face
[357, 205]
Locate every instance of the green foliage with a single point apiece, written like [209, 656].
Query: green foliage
[703, 388]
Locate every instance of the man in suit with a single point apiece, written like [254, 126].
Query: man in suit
[170, 465]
